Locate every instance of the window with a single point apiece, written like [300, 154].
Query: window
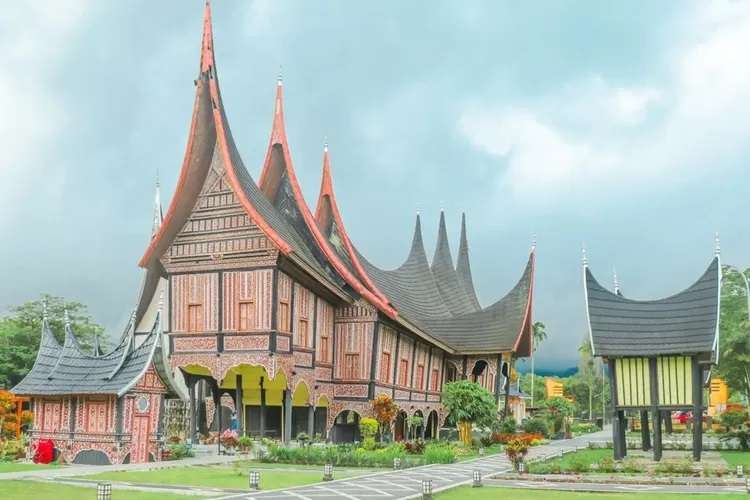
[351, 365]
[303, 334]
[284, 318]
[435, 379]
[403, 375]
[324, 349]
[420, 377]
[96, 416]
[195, 317]
[385, 368]
[246, 315]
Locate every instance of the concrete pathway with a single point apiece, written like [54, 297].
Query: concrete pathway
[614, 488]
[407, 483]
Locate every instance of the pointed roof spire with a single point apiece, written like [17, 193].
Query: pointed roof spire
[442, 247]
[463, 265]
[208, 62]
[96, 348]
[158, 213]
[417, 244]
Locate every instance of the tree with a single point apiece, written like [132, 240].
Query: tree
[734, 350]
[558, 411]
[385, 411]
[539, 335]
[20, 333]
[469, 404]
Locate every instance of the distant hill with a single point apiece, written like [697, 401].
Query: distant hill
[549, 372]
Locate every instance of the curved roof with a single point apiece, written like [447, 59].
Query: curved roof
[62, 370]
[685, 323]
[419, 293]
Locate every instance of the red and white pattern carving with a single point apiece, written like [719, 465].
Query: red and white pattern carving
[246, 342]
[304, 302]
[284, 305]
[188, 344]
[302, 358]
[353, 350]
[324, 341]
[282, 343]
[350, 390]
[195, 299]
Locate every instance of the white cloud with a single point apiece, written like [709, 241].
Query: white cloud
[34, 35]
[600, 136]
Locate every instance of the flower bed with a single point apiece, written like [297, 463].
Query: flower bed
[358, 456]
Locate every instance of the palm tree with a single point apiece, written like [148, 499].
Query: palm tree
[539, 334]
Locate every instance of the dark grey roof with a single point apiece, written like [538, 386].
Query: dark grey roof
[67, 370]
[453, 292]
[685, 323]
[413, 289]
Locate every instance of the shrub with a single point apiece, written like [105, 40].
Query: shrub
[607, 464]
[385, 411]
[368, 427]
[733, 419]
[579, 465]
[583, 428]
[229, 439]
[632, 466]
[370, 444]
[486, 441]
[415, 447]
[507, 426]
[178, 451]
[439, 453]
[245, 443]
[516, 450]
[536, 425]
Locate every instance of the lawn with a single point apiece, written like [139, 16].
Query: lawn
[735, 458]
[272, 476]
[26, 490]
[20, 466]
[586, 456]
[492, 493]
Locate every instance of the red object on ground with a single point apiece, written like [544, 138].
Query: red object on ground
[45, 452]
[683, 418]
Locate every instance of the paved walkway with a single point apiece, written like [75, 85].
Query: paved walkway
[614, 488]
[407, 483]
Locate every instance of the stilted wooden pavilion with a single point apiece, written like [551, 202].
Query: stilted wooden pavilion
[659, 352]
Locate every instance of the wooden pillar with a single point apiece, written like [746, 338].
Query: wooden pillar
[655, 412]
[667, 417]
[617, 450]
[622, 428]
[697, 410]
[239, 408]
[217, 405]
[193, 410]
[310, 421]
[506, 409]
[645, 433]
[262, 409]
[287, 411]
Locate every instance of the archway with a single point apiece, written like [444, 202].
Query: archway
[400, 426]
[345, 427]
[431, 426]
[321, 418]
[480, 374]
[302, 411]
[260, 399]
[418, 429]
[451, 372]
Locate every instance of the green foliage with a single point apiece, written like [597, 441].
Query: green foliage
[20, 332]
[559, 410]
[536, 425]
[368, 427]
[467, 401]
[539, 334]
[439, 453]
[245, 443]
[179, 451]
[733, 419]
[341, 455]
[734, 349]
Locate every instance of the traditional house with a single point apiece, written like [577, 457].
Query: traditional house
[273, 308]
[659, 352]
[99, 408]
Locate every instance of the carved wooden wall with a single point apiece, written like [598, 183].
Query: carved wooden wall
[387, 355]
[324, 341]
[247, 300]
[195, 301]
[304, 305]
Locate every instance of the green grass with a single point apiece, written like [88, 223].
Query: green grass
[20, 467]
[272, 476]
[735, 458]
[492, 493]
[27, 490]
[587, 456]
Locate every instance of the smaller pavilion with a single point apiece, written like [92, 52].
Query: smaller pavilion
[658, 352]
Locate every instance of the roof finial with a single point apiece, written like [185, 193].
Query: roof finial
[617, 282]
[280, 77]
[533, 242]
[717, 249]
[325, 144]
[584, 259]
[158, 212]
[67, 317]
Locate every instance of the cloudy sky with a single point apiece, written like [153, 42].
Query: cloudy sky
[622, 125]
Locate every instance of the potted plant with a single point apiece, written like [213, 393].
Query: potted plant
[229, 440]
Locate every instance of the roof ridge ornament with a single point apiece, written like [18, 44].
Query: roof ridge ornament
[533, 242]
[280, 77]
[717, 247]
[616, 281]
[584, 259]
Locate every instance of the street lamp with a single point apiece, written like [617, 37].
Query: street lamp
[254, 480]
[328, 472]
[426, 489]
[396, 463]
[477, 477]
[104, 491]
